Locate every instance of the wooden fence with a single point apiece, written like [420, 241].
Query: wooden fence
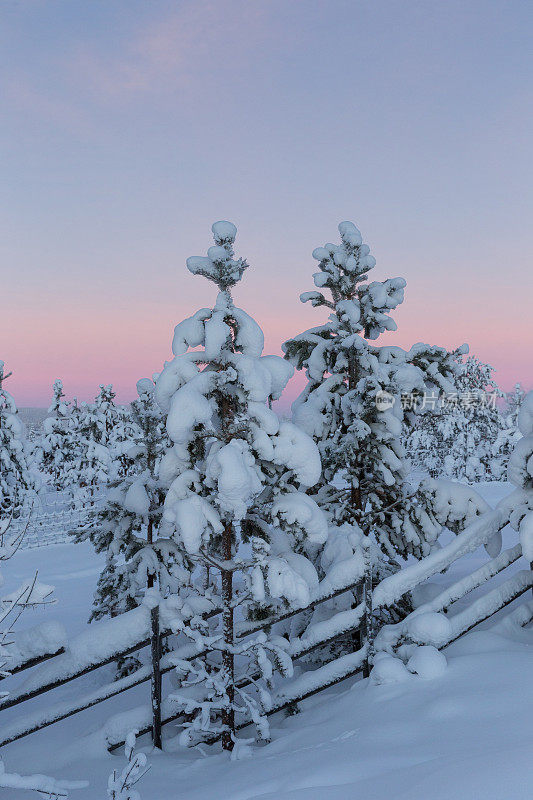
[60, 669]
[145, 627]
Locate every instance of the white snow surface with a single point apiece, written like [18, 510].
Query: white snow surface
[298, 508]
[137, 500]
[297, 451]
[465, 733]
[233, 469]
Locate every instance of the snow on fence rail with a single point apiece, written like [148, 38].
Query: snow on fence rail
[109, 640]
[431, 623]
[479, 532]
[37, 644]
[338, 669]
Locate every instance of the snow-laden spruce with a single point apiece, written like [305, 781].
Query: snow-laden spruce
[90, 469]
[352, 406]
[128, 527]
[112, 427]
[19, 479]
[102, 433]
[509, 432]
[463, 435]
[519, 505]
[56, 443]
[237, 497]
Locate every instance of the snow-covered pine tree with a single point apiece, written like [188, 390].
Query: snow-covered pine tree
[55, 442]
[352, 402]
[513, 404]
[105, 414]
[477, 424]
[124, 432]
[519, 504]
[128, 527]
[236, 500]
[101, 431]
[114, 428]
[464, 436]
[427, 443]
[90, 467]
[19, 480]
[75, 447]
[509, 433]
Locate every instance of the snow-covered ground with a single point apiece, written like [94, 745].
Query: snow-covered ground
[467, 735]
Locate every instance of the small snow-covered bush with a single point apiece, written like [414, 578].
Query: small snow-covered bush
[121, 786]
[427, 662]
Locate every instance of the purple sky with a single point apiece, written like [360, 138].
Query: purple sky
[129, 127]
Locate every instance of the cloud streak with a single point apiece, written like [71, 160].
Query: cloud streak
[170, 53]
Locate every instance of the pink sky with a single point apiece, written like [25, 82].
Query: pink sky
[91, 338]
[129, 127]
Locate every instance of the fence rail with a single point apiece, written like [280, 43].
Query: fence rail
[50, 520]
[159, 665]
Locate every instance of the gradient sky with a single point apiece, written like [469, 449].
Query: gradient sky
[128, 127]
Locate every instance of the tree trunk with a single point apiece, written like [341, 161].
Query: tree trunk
[150, 539]
[356, 502]
[355, 498]
[228, 716]
[155, 641]
[355, 491]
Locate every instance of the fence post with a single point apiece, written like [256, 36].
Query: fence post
[359, 636]
[368, 627]
[155, 642]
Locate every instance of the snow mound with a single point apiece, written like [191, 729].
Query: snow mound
[427, 662]
[388, 669]
[430, 628]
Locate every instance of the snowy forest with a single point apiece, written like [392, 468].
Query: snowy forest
[209, 577]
